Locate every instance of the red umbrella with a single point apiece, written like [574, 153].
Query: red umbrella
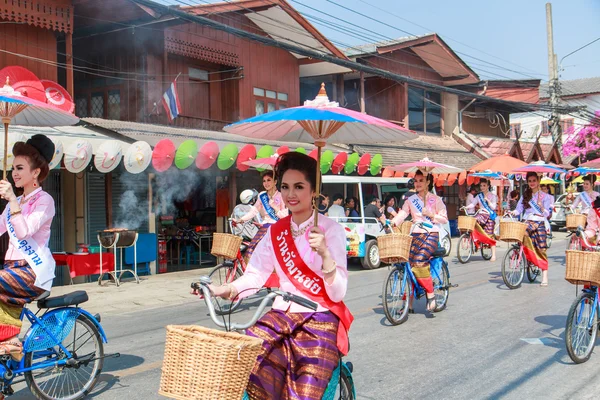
[339, 162]
[387, 173]
[163, 155]
[25, 82]
[247, 153]
[399, 174]
[282, 150]
[207, 155]
[58, 96]
[364, 164]
[313, 154]
[504, 164]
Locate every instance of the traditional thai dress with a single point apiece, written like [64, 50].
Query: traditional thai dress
[28, 267]
[301, 347]
[593, 224]
[585, 200]
[535, 214]
[484, 230]
[267, 215]
[424, 243]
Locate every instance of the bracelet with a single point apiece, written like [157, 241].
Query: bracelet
[325, 272]
[17, 212]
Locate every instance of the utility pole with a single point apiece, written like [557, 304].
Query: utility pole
[553, 86]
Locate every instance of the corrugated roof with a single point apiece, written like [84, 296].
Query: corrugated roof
[370, 48]
[493, 146]
[574, 87]
[439, 149]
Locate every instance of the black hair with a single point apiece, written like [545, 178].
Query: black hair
[483, 180]
[528, 193]
[597, 202]
[337, 197]
[514, 193]
[34, 157]
[428, 178]
[349, 199]
[388, 198]
[373, 198]
[267, 173]
[298, 162]
[591, 178]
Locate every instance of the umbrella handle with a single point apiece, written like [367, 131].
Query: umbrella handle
[5, 159]
[318, 188]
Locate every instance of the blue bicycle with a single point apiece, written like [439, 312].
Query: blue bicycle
[401, 284]
[341, 384]
[63, 351]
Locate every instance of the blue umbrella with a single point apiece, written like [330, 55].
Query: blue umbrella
[487, 174]
[585, 170]
[540, 167]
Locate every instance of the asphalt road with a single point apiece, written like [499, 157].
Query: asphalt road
[491, 342]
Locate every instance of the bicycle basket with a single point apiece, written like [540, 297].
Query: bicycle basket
[202, 363]
[512, 231]
[576, 220]
[394, 248]
[583, 267]
[53, 329]
[466, 223]
[225, 245]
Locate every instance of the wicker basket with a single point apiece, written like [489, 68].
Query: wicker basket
[576, 220]
[404, 228]
[225, 245]
[203, 364]
[512, 231]
[394, 248]
[466, 223]
[583, 267]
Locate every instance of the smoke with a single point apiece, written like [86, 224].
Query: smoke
[131, 211]
[176, 185]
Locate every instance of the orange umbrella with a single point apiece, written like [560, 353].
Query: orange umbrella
[452, 178]
[388, 173]
[504, 164]
[399, 174]
[462, 177]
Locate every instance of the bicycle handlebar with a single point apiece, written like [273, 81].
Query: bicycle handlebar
[580, 232]
[422, 225]
[202, 286]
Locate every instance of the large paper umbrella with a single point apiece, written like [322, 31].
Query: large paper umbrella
[539, 167]
[108, 156]
[247, 153]
[351, 163]
[57, 96]
[207, 155]
[338, 163]
[364, 163]
[265, 152]
[592, 164]
[138, 157]
[227, 156]
[300, 150]
[313, 154]
[11, 143]
[78, 155]
[326, 161]
[262, 164]
[25, 82]
[186, 154]
[317, 122]
[376, 164]
[549, 181]
[428, 167]
[282, 150]
[58, 155]
[503, 164]
[163, 155]
[487, 174]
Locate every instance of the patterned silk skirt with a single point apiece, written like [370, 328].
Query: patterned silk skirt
[422, 247]
[487, 224]
[299, 355]
[535, 244]
[17, 287]
[262, 231]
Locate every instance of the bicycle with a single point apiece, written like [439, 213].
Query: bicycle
[57, 363]
[582, 320]
[467, 245]
[401, 284]
[341, 385]
[514, 265]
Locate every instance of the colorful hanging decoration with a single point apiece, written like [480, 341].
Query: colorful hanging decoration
[326, 161]
[376, 164]
[207, 155]
[78, 155]
[163, 155]
[138, 157]
[338, 163]
[247, 153]
[186, 154]
[351, 164]
[364, 163]
[227, 156]
[108, 156]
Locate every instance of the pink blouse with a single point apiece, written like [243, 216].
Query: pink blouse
[492, 201]
[433, 204]
[263, 262]
[260, 209]
[593, 224]
[585, 208]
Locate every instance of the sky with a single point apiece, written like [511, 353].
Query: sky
[498, 39]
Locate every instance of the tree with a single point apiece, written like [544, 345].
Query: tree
[585, 141]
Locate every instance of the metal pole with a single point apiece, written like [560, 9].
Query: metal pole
[553, 85]
[5, 160]
[362, 92]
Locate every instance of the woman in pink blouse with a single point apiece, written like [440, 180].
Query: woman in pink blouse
[592, 229]
[486, 202]
[28, 264]
[423, 207]
[301, 347]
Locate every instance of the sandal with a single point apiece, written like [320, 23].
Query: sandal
[411, 310]
[430, 301]
[14, 349]
[544, 284]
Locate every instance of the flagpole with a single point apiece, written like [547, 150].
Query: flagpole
[178, 75]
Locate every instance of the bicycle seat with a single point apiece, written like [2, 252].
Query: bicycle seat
[440, 252]
[69, 299]
[43, 296]
[243, 247]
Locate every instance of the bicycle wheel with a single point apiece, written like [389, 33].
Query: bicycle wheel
[395, 297]
[441, 289]
[220, 275]
[532, 272]
[345, 389]
[464, 250]
[573, 243]
[513, 269]
[486, 252]
[74, 380]
[582, 328]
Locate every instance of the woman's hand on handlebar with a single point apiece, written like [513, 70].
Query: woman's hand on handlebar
[223, 291]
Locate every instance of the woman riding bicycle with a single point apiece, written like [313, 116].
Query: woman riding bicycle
[28, 267]
[587, 197]
[301, 347]
[423, 207]
[535, 206]
[270, 207]
[486, 202]
[593, 221]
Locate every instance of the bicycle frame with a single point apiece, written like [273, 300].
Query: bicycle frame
[418, 291]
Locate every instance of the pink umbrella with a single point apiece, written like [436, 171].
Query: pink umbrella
[207, 155]
[263, 163]
[540, 167]
[282, 150]
[163, 155]
[426, 166]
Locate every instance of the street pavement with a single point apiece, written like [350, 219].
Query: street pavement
[490, 342]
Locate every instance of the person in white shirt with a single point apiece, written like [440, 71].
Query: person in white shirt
[473, 190]
[336, 210]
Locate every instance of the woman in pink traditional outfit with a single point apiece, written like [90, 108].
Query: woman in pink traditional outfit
[301, 347]
[269, 208]
[423, 207]
[486, 202]
[592, 229]
[587, 197]
[28, 264]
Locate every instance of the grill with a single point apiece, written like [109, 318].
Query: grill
[118, 239]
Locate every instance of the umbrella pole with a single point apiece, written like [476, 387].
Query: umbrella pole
[5, 159]
[318, 188]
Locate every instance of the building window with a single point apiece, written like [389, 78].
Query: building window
[114, 104]
[515, 129]
[424, 111]
[101, 103]
[97, 105]
[566, 125]
[197, 74]
[268, 100]
[545, 128]
[81, 107]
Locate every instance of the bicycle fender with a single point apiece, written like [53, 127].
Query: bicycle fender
[86, 314]
[348, 373]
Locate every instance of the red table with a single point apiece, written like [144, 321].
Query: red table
[89, 264]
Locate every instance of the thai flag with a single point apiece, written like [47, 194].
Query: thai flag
[171, 102]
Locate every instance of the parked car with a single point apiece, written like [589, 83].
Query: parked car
[560, 212]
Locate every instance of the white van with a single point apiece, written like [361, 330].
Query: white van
[362, 233]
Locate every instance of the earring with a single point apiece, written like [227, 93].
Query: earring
[35, 184]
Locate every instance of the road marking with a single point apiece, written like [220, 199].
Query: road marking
[542, 341]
